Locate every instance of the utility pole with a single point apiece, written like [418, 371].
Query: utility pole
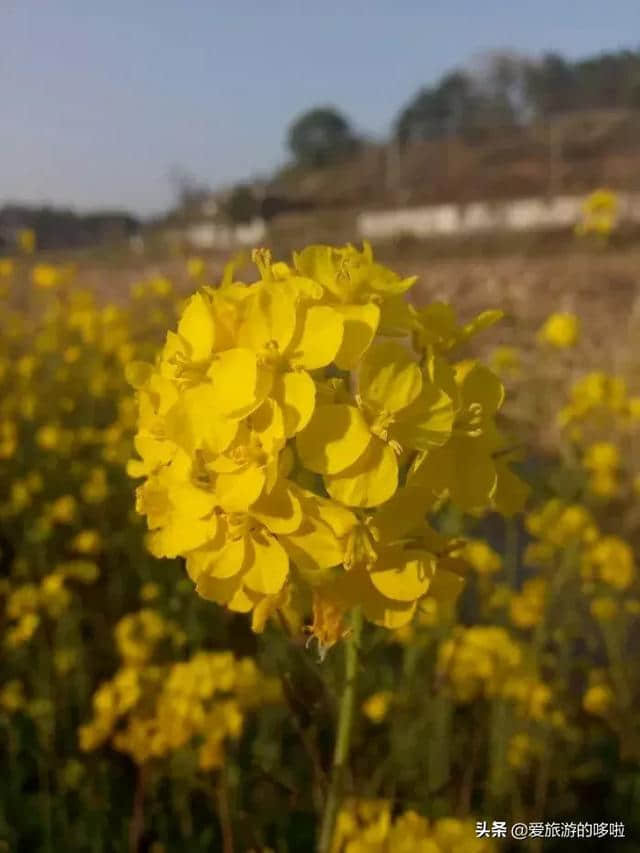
[554, 136]
[393, 168]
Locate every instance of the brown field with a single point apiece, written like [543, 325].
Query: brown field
[528, 278]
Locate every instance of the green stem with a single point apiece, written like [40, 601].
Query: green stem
[499, 733]
[343, 737]
[438, 742]
[511, 552]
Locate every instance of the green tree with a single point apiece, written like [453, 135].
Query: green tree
[320, 137]
[551, 85]
[451, 107]
[242, 206]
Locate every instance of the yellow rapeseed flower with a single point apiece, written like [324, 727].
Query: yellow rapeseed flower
[271, 395]
[560, 330]
[376, 706]
[599, 699]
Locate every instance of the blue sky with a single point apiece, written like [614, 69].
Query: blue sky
[99, 100]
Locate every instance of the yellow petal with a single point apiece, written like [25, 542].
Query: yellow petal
[270, 319]
[219, 590]
[446, 586]
[267, 422]
[355, 587]
[269, 565]
[370, 481]
[154, 451]
[318, 339]
[222, 563]
[511, 492]
[397, 317]
[403, 513]
[389, 378]
[340, 519]
[314, 548]
[163, 391]
[235, 492]
[316, 262]
[360, 326]
[194, 421]
[464, 468]
[483, 321]
[427, 422]
[180, 535]
[197, 327]
[480, 385]
[393, 616]
[295, 393]
[403, 575]
[335, 437]
[280, 510]
[286, 462]
[387, 281]
[138, 373]
[241, 601]
[239, 382]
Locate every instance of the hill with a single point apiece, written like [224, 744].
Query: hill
[570, 154]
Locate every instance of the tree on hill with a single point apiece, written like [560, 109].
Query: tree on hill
[467, 102]
[551, 85]
[242, 206]
[456, 106]
[505, 89]
[447, 109]
[320, 137]
[608, 81]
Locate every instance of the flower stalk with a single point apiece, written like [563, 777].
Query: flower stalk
[343, 735]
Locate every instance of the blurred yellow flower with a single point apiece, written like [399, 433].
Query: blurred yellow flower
[604, 608]
[27, 240]
[46, 276]
[195, 267]
[600, 212]
[64, 660]
[87, 542]
[63, 510]
[481, 557]
[520, 750]
[506, 361]
[377, 706]
[149, 591]
[602, 455]
[613, 561]
[54, 596]
[23, 631]
[12, 696]
[7, 267]
[8, 439]
[527, 608]
[599, 700]
[48, 436]
[560, 330]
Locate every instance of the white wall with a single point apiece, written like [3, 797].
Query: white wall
[520, 215]
[208, 235]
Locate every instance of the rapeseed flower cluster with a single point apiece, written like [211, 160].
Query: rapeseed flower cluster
[602, 422]
[600, 211]
[478, 661]
[560, 330]
[600, 398]
[369, 826]
[150, 709]
[604, 560]
[294, 433]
